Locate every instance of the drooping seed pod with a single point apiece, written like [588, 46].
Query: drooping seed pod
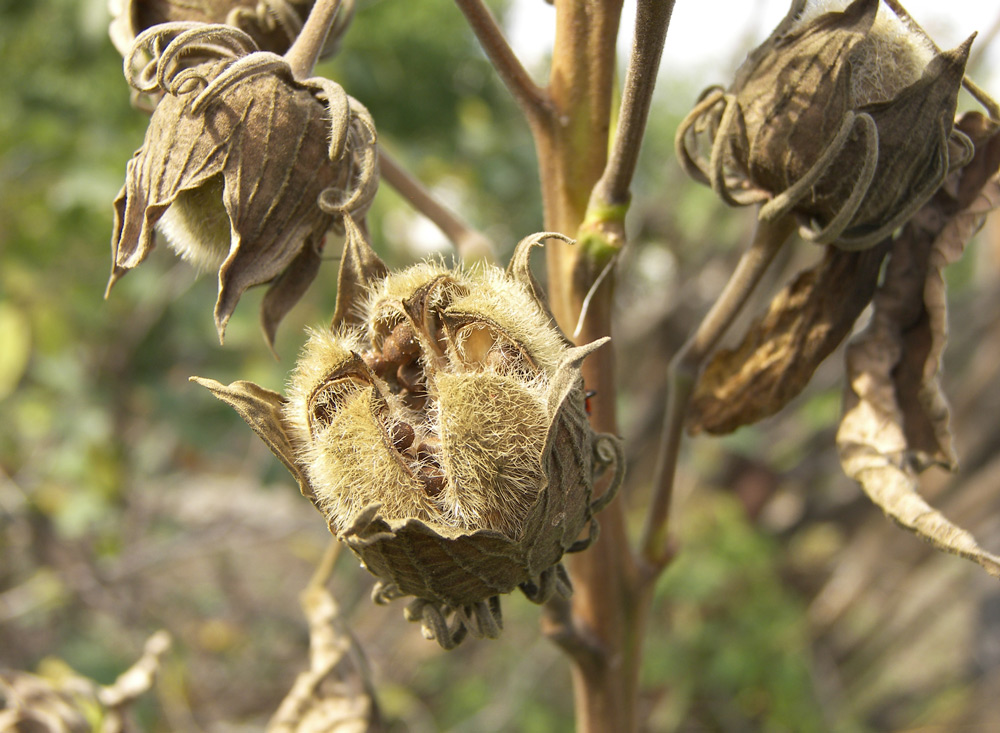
[467, 478]
[843, 119]
[273, 24]
[244, 167]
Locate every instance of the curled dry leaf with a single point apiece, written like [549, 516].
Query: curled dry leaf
[244, 167]
[895, 421]
[58, 700]
[779, 353]
[440, 428]
[335, 694]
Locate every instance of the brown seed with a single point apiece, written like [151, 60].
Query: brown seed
[415, 401]
[401, 346]
[375, 362]
[410, 376]
[429, 448]
[402, 435]
[432, 477]
[323, 412]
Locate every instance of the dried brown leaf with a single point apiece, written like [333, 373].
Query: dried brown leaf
[261, 409]
[896, 417]
[779, 353]
[59, 700]
[335, 694]
[359, 269]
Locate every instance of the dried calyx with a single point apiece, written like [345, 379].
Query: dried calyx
[842, 118]
[244, 167]
[440, 427]
[273, 24]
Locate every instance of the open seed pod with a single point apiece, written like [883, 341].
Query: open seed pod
[273, 24]
[843, 119]
[440, 428]
[244, 167]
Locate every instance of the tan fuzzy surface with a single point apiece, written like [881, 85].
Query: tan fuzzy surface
[493, 430]
[508, 304]
[483, 410]
[196, 226]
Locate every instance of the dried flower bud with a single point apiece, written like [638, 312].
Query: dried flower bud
[244, 167]
[844, 119]
[273, 24]
[440, 428]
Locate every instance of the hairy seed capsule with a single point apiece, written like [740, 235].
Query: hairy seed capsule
[474, 486]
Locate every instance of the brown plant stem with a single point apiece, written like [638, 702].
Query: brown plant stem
[651, 22]
[529, 96]
[600, 629]
[682, 375]
[472, 245]
[305, 52]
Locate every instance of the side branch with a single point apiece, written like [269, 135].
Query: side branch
[471, 245]
[532, 99]
[682, 376]
[651, 22]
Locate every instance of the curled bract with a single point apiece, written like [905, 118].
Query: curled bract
[273, 24]
[244, 167]
[843, 119]
[440, 428]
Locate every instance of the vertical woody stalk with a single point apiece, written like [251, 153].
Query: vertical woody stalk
[597, 629]
[585, 193]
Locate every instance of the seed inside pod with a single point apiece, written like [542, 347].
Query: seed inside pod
[376, 362]
[507, 358]
[401, 346]
[432, 477]
[428, 449]
[402, 435]
[331, 397]
[410, 377]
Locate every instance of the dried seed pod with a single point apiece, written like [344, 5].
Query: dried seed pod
[243, 168]
[842, 119]
[273, 24]
[499, 484]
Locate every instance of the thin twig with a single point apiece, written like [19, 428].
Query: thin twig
[683, 371]
[532, 98]
[651, 22]
[305, 52]
[471, 244]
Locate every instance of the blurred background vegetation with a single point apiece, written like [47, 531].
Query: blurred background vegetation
[131, 500]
